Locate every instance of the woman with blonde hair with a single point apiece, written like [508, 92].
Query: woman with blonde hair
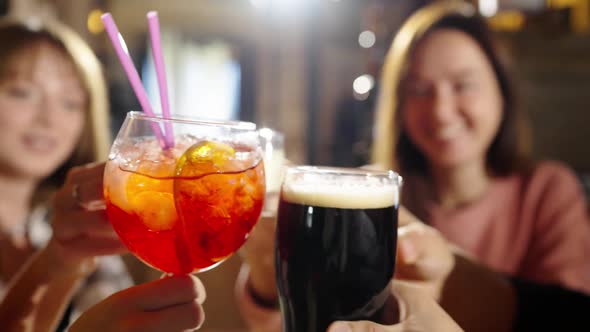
[53, 116]
[448, 121]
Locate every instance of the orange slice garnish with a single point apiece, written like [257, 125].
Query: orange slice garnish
[155, 209]
[204, 158]
[150, 194]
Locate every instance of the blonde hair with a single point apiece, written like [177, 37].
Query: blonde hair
[94, 142]
[392, 149]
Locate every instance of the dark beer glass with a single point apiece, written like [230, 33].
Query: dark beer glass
[335, 248]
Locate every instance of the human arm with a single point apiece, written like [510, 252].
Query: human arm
[258, 255]
[476, 297]
[559, 249]
[418, 312]
[256, 290]
[39, 293]
[260, 316]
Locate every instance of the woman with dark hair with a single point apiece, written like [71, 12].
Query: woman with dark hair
[448, 121]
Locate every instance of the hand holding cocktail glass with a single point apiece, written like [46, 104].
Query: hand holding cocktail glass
[80, 231]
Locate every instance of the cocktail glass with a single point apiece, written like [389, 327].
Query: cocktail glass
[185, 208]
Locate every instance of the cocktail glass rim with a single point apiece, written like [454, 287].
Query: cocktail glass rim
[230, 124]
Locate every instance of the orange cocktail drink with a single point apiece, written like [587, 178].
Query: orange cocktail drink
[187, 208]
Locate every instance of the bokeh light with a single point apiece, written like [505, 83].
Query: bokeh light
[488, 8]
[367, 39]
[280, 6]
[363, 84]
[260, 4]
[94, 22]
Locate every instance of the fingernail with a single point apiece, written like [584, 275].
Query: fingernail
[341, 327]
[407, 251]
[95, 205]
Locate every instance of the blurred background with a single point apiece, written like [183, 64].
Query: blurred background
[310, 69]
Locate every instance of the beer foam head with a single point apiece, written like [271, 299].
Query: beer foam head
[341, 192]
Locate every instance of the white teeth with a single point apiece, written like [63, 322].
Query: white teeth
[448, 132]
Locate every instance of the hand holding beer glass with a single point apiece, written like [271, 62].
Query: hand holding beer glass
[336, 243]
[184, 208]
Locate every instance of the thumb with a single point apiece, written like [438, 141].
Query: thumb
[162, 293]
[364, 326]
[405, 217]
[418, 254]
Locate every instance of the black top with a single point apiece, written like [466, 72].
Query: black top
[543, 307]
[65, 321]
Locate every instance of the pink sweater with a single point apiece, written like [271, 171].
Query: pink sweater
[535, 228]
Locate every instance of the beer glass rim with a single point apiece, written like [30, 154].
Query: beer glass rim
[343, 171]
[230, 124]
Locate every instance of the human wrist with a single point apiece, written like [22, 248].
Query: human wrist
[261, 277]
[255, 290]
[267, 300]
[61, 265]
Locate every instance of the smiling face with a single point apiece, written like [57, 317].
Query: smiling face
[452, 103]
[42, 111]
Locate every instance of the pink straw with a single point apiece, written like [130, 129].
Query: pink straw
[154, 26]
[132, 75]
